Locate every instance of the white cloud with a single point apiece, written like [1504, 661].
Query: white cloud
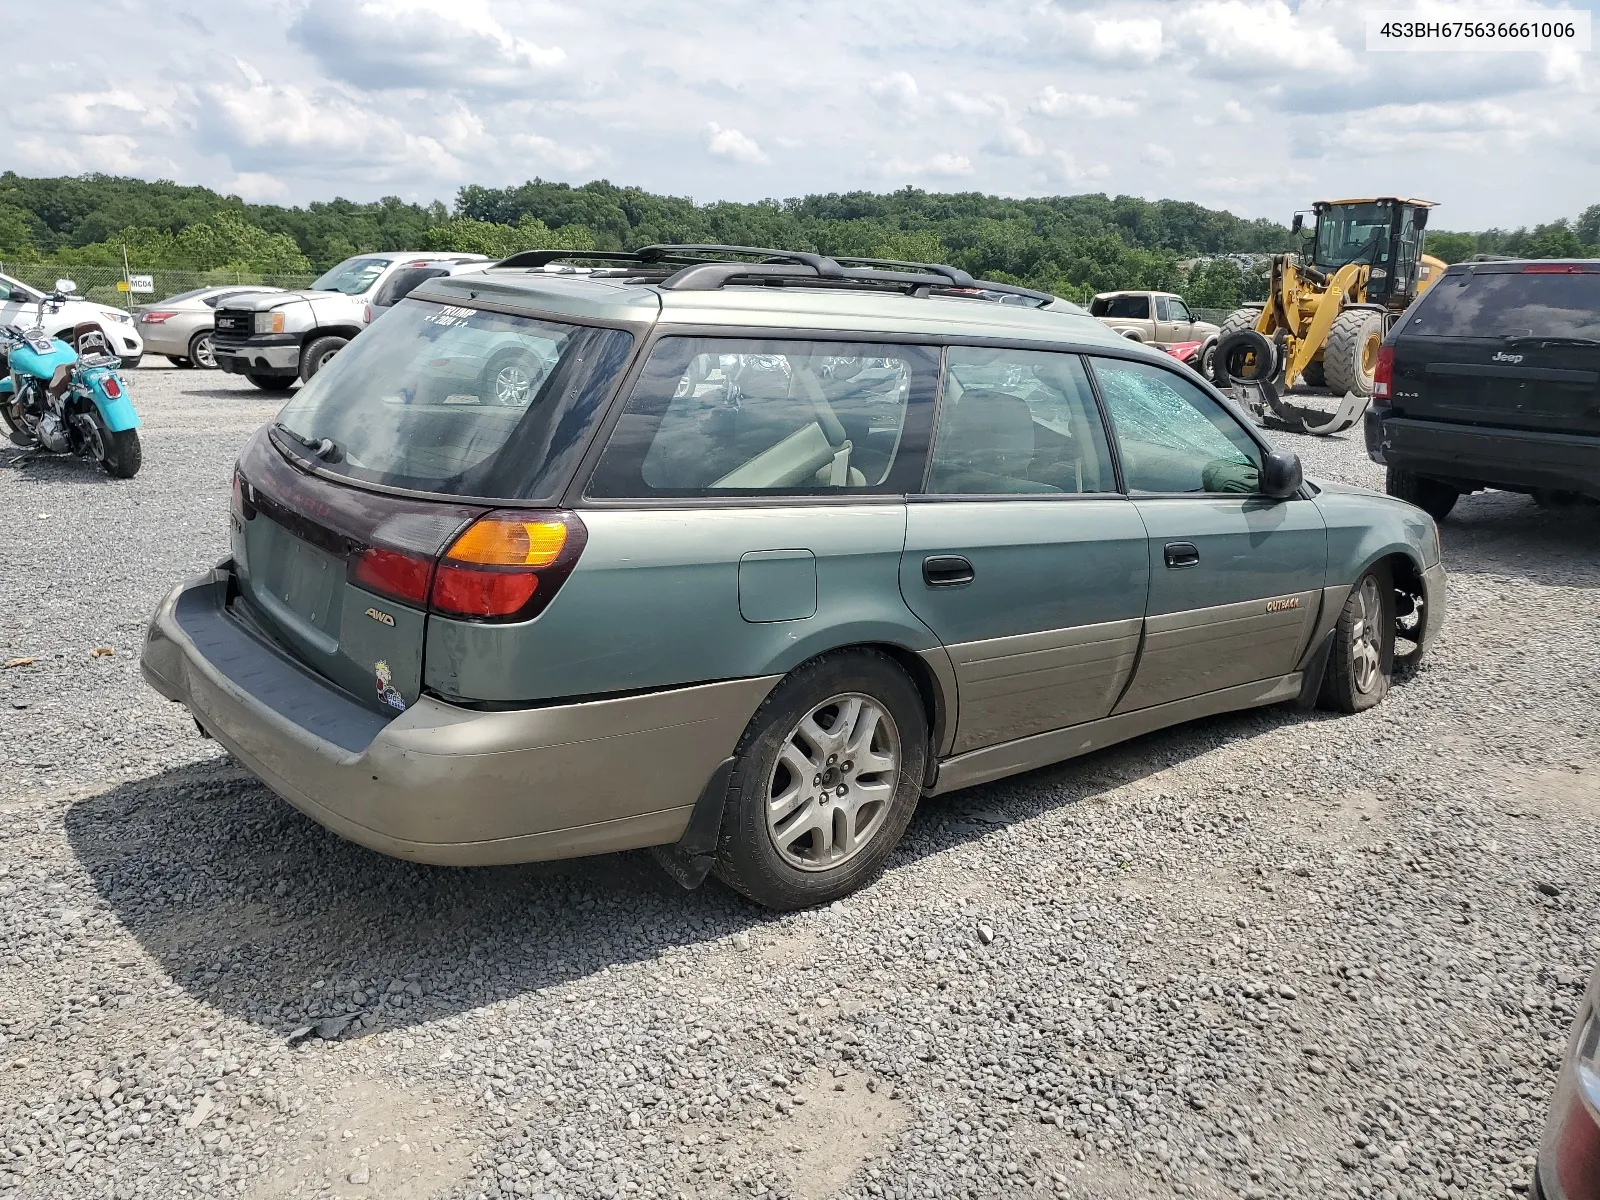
[733, 146]
[1129, 41]
[256, 187]
[1248, 38]
[391, 44]
[1016, 142]
[1051, 103]
[991, 105]
[944, 165]
[1157, 155]
[897, 92]
[266, 128]
[1231, 113]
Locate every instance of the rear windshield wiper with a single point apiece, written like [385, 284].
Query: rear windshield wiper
[1530, 339]
[324, 448]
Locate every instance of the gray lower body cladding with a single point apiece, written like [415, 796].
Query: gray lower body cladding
[440, 783]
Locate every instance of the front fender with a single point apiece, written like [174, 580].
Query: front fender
[115, 410]
[7, 387]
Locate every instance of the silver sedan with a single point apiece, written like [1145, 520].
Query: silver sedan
[180, 326]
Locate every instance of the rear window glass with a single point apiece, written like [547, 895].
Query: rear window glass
[731, 417]
[457, 401]
[1132, 308]
[1510, 304]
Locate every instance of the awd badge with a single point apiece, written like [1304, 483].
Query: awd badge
[381, 617]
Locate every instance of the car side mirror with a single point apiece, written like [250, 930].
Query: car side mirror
[1281, 475]
[66, 286]
[1420, 220]
[1299, 223]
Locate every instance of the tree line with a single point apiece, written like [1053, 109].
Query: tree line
[1073, 246]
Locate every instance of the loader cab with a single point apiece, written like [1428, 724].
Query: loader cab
[1384, 233]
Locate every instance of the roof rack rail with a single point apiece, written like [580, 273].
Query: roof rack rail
[708, 266]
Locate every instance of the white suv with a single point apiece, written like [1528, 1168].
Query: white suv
[274, 338]
[19, 305]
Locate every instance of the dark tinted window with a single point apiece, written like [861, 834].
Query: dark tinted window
[1018, 422]
[1510, 304]
[438, 398]
[1133, 308]
[720, 417]
[402, 283]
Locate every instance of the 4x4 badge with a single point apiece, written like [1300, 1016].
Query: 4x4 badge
[382, 618]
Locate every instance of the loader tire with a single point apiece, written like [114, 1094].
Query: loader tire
[1313, 375]
[1237, 321]
[1351, 354]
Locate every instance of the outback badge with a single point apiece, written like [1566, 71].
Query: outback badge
[1285, 602]
[381, 617]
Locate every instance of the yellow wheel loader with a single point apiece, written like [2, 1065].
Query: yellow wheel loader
[1329, 307]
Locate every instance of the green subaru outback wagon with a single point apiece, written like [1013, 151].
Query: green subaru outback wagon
[738, 554]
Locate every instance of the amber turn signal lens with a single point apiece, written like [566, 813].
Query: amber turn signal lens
[506, 540]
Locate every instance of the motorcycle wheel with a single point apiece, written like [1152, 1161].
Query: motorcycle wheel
[120, 453]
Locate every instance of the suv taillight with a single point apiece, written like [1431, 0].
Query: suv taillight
[1383, 374]
[505, 566]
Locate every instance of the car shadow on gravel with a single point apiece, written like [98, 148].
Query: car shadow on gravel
[1501, 533]
[237, 393]
[57, 468]
[258, 911]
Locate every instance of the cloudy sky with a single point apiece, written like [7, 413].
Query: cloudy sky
[1259, 106]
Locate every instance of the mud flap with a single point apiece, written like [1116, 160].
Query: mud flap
[689, 859]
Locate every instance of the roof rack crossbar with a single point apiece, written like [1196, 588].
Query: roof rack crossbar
[705, 267]
[710, 276]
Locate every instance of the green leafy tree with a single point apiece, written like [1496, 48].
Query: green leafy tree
[498, 241]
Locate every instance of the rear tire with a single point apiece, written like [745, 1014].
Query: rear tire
[1361, 665]
[317, 353]
[271, 383]
[1314, 375]
[123, 453]
[1432, 497]
[179, 362]
[835, 755]
[201, 352]
[1351, 354]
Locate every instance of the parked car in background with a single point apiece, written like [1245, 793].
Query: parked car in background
[71, 320]
[1492, 379]
[180, 326]
[275, 339]
[1569, 1153]
[1150, 317]
[740, 572]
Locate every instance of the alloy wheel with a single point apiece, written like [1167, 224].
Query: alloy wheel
[511, 384]
[1366, 637]
[205, 354]
[834, 783]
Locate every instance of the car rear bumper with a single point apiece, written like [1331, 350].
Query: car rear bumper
[439, 783]
[275, 355]
[1514, 459]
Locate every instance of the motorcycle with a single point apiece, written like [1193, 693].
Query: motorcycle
[59, 400]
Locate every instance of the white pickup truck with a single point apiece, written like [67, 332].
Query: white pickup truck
[275, 338]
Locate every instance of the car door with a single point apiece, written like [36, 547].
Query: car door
[1180, 322]
[1235, 578]
[13, 299]
[1021, 555]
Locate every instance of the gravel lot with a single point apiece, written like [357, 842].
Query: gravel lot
[1273, 954]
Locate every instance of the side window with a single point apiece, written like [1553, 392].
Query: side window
[713, 416]
[1161, 309]
[1172, 436]
[1018, 422]
[1129, 308]
[5, 291]
[1179, 310]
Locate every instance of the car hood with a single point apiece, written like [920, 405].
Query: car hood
[1350, 489]
[266, 301]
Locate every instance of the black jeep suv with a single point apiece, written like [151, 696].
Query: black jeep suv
[1492, 379]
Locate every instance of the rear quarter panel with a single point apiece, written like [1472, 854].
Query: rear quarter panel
[654, 603]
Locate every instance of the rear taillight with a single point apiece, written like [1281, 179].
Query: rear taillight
[1561, 269]
[393, 573]
[156, 318]
[111, 387]
[366, 314]
[1383, 373]
[507, 565]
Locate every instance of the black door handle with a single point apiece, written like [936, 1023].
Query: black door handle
[947, 570]
[1182, 554]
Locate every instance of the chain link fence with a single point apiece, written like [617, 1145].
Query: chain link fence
[100, 283]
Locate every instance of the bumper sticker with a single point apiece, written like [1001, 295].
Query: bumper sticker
[386, 691]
